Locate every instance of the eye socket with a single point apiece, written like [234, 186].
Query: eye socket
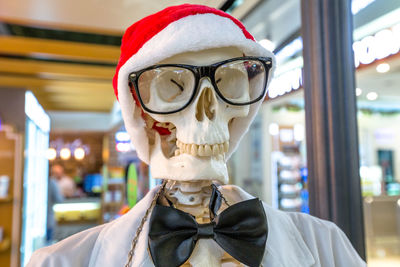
[170, 95]
[181, 87]
[166, 88]
[241, 81]
[232, 80]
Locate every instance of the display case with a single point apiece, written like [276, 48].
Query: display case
[113, 195]
[10, 194]
[289, 171]
[75, 215]
[35, 181]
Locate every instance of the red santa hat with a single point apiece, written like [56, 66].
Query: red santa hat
[172, 31]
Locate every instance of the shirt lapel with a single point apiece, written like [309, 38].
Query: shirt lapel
[285, 246]
[114, 241]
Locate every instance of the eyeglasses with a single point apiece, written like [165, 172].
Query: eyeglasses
[169, 88]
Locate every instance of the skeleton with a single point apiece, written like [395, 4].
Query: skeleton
[192, 156]
[193, 153]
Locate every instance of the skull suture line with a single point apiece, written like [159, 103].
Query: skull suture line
[199, 134]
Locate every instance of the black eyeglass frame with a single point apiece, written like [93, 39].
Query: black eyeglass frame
[200, 72]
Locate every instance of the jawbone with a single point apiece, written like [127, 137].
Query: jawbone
[186, 167]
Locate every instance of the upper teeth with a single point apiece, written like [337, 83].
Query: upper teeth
[201, 150]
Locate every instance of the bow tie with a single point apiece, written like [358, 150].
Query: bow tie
[241, 230]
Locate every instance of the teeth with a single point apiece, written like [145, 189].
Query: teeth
[226, 146]
[193, 150]
[221, 148]
[201, 151]
[215, 150]
[206, 150]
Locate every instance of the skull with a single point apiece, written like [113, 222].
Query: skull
[191, 144]
[198, 135]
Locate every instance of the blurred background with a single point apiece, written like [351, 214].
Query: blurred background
[66, 162]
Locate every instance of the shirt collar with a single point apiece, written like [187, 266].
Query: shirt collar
[285, 246]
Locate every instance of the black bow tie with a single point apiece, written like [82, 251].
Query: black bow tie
[241, 230]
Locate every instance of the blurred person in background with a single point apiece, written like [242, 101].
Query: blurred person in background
[54, 196]
[66, 184]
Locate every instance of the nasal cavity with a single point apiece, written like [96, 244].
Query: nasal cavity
[205, 105]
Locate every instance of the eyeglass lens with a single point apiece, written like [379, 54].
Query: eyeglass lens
[166, 89]
[241, 81]
[169, 88]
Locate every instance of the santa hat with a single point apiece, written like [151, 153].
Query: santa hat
[172, 31]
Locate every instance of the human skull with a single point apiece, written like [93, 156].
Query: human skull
[199, 134]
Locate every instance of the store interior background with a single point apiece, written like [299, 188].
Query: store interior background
[57, 107]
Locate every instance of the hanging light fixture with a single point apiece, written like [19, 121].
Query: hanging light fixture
[51, 154]
[65, 153]
[372, 96]
[79, 153]
[383, 68]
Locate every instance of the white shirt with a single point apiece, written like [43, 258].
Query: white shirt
[294, 239]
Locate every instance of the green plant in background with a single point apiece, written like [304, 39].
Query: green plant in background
[132, 185]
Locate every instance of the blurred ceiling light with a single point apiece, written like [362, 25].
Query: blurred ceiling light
[65, 153]
[372, 96]
[79, 153]
[358, 91]
[51, 154]
[267, 44]
[123, 147]
[289, 50]
[122, 136]
[299, 132]
[273, 129]
[285, 83]
[383, 67]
